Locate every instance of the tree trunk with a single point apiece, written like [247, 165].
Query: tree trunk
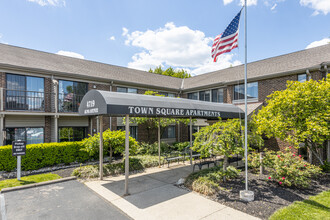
[225, 165]
[311, 147]
[110, 160]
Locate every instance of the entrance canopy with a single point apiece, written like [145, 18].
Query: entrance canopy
[97, 102]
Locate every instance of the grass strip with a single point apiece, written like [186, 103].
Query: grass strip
[316, 207]
[28, 180]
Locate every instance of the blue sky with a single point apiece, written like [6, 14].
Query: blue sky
[146, 33]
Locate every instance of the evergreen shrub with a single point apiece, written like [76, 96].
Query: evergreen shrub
[43, 155]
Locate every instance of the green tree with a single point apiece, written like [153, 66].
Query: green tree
[225, 138]
[113, 142]
[298, 114]
[171, 72]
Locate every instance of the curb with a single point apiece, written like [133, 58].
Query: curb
[38, 184]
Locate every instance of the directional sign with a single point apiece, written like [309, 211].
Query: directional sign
[19, 148]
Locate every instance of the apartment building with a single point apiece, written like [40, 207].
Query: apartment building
[41, 92]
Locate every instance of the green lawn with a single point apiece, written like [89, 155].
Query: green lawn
[316, 207]
[28, 180]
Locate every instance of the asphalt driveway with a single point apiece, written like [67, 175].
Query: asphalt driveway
[65, 200]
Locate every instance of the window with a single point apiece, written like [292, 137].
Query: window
[193, 95]
[71, 133]
[132, 130]
[217, 95]
[126, 90]
[252, 91]
[169, 132]
[302, 78]
[70, 95]
[24, 93]
[204, 95]
[30, 135]
[166, 94]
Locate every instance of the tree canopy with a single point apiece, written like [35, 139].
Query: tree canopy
[298, 114]
[225, 138]
[171, 72]
[113, 142]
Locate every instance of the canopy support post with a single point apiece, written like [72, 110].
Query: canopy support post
[190, 138]
[100, 122]
[159, 142]
[126, 154]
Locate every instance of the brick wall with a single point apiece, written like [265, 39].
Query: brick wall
[229, 94]
[3, 85]
[2, 80]
[317, 75]
[48, 125]
[267, 86]
[48, 95]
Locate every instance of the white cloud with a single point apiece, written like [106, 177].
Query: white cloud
[317, 5]
[226, 2]
[241, 2]
[319, 43]
[274, 6]
[125, 31]
[178, 47]
[112, 38]
[249, 2]
[49, 2]
[70, 54]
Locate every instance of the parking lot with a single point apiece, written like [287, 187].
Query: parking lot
[65, 200]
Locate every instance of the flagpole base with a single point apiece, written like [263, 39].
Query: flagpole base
[246, 195]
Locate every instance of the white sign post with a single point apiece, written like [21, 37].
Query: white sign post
[18, 150]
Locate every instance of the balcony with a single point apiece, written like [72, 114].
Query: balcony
[26, 100]
[19, 100]
[69, 102]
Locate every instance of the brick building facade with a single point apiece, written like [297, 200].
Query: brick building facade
[54, 101]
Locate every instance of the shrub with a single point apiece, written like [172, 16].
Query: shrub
[205, 186]
[254, 161]
[43, 155]
[113, 142]
[152, 149]
[325, 167]
[180, 146]
[136, 163]
[287, 168]
[207, 181]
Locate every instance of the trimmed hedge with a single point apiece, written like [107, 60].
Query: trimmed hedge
[43, 155]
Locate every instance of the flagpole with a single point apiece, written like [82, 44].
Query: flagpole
[245, 96]
[246, 195]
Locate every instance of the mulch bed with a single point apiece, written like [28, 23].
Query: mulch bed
[268, 195]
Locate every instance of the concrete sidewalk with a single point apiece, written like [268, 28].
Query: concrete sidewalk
[153, 196]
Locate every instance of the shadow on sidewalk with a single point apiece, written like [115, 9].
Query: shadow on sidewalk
[151, 189]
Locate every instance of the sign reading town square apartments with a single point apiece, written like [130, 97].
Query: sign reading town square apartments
[97, 102]
[156, 111]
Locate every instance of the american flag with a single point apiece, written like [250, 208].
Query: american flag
[227, 40]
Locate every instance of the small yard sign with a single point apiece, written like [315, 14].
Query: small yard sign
[19, 148]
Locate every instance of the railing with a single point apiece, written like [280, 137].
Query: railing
[69, 102]
[24, 100]
[39, 101]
